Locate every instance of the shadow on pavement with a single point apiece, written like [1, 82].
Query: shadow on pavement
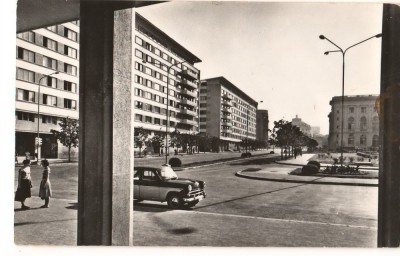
[37, 222]
[30, 209]
[73, 206]
[145, 207]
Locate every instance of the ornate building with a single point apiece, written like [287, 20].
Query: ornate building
[361, 123]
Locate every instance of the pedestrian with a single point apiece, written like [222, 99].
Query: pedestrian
[24, 184]
[295, 152]
[45, 186]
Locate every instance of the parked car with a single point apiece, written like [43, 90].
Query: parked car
[163, 185]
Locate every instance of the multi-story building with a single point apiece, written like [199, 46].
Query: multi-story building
[315, 131]
[156, 54]
[40, 54]
[304, 127]
[227, 113]
[262, 125]
[361, 123]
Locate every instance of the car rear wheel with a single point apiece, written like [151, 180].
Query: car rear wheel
[174, 201]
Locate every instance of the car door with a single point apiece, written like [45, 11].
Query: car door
[150, 185]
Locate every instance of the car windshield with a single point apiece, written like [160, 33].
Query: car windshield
[168, 173]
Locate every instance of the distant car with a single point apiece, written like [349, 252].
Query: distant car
[163, 185]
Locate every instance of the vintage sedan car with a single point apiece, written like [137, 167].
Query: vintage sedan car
[162, 184]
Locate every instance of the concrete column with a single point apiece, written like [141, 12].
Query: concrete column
[105, 153]
[389, 176]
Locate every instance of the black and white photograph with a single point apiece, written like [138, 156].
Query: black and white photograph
[202, 124]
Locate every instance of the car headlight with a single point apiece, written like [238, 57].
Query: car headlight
[189, 188]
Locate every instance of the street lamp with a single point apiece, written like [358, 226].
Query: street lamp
[167, 124]
[322, 37]
[38, 136]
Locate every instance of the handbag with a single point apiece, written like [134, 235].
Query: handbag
[18, 195]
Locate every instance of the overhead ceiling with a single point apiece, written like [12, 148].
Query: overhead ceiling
[33, 14]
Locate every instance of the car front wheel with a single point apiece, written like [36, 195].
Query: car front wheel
[174, 201]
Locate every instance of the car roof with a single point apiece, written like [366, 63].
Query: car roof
[140, 168]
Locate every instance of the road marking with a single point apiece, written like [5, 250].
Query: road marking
[276, 219]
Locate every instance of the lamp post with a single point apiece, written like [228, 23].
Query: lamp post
[38, 138]
[167, 124]
[322, 37]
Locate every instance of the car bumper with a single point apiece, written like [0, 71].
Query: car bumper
[198, 196]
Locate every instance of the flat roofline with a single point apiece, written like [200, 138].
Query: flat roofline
[186, 54]
[233, 88]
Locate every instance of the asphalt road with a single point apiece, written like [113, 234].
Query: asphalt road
[243, 212]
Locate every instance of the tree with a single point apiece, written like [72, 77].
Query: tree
[68, 135]
[157, 142]
[141, 138]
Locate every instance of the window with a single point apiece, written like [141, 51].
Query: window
[138, 92]
[157, 109]
[375, 124]
[138, 105]
[70, 34]
[50, 81]
[363, 140]
[139, 54]
[138, 40]
[138, 66]
[148, 107]
[50, 44]
[149, 46]
[25, 95]
[69, 69]
[157, 121]
[69, 86]
[157, 52]
[49, 62]
[149, 175]
[49, 119]
[49, 100]
[165, 56]
[363, 123]
[375, 141]
[148, 119]
[24, 116]
[138, 117]
[351, 124]
[25, 75]
[70, 104]
[350, 140]
[351, 109]
[71, 52]
[139, 79]
[52, 28]
[26, 55]
[363, 109]
[28, 36]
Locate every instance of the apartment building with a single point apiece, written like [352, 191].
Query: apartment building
[44, 98]
[262, 125]
[164, 78]
[304, 127]
[227, 113]
[361, 123]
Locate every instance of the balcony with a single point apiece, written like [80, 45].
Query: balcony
[187, 102]
[187, 112]
[188, 84]
[226, 123]
[227, 117]
[188, 122]
[226, 97]
[188, 93]
[226, 103]
[226, 110]
[227, 130]
[188, 74]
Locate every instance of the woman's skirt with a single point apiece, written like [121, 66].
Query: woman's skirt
[45, 189]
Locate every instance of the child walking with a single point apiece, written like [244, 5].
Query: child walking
[45, 186]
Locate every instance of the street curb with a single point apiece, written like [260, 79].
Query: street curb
[325, 165]
[241, 175]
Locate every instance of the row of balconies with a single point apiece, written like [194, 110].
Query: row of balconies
[188, 74]
[188, 84]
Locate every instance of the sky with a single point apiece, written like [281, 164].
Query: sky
[273, 53]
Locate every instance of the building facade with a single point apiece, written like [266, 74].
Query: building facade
[44, 98]
[227, 113]
[262, 123]
[304, 127]
[361, 123]
[159, 60]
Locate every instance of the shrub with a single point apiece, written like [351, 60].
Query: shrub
[248, 154]
[175, 162]
[316, 163]
[309, 169]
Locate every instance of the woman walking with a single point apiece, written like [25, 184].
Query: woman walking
[45, 186]
[24, 184]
